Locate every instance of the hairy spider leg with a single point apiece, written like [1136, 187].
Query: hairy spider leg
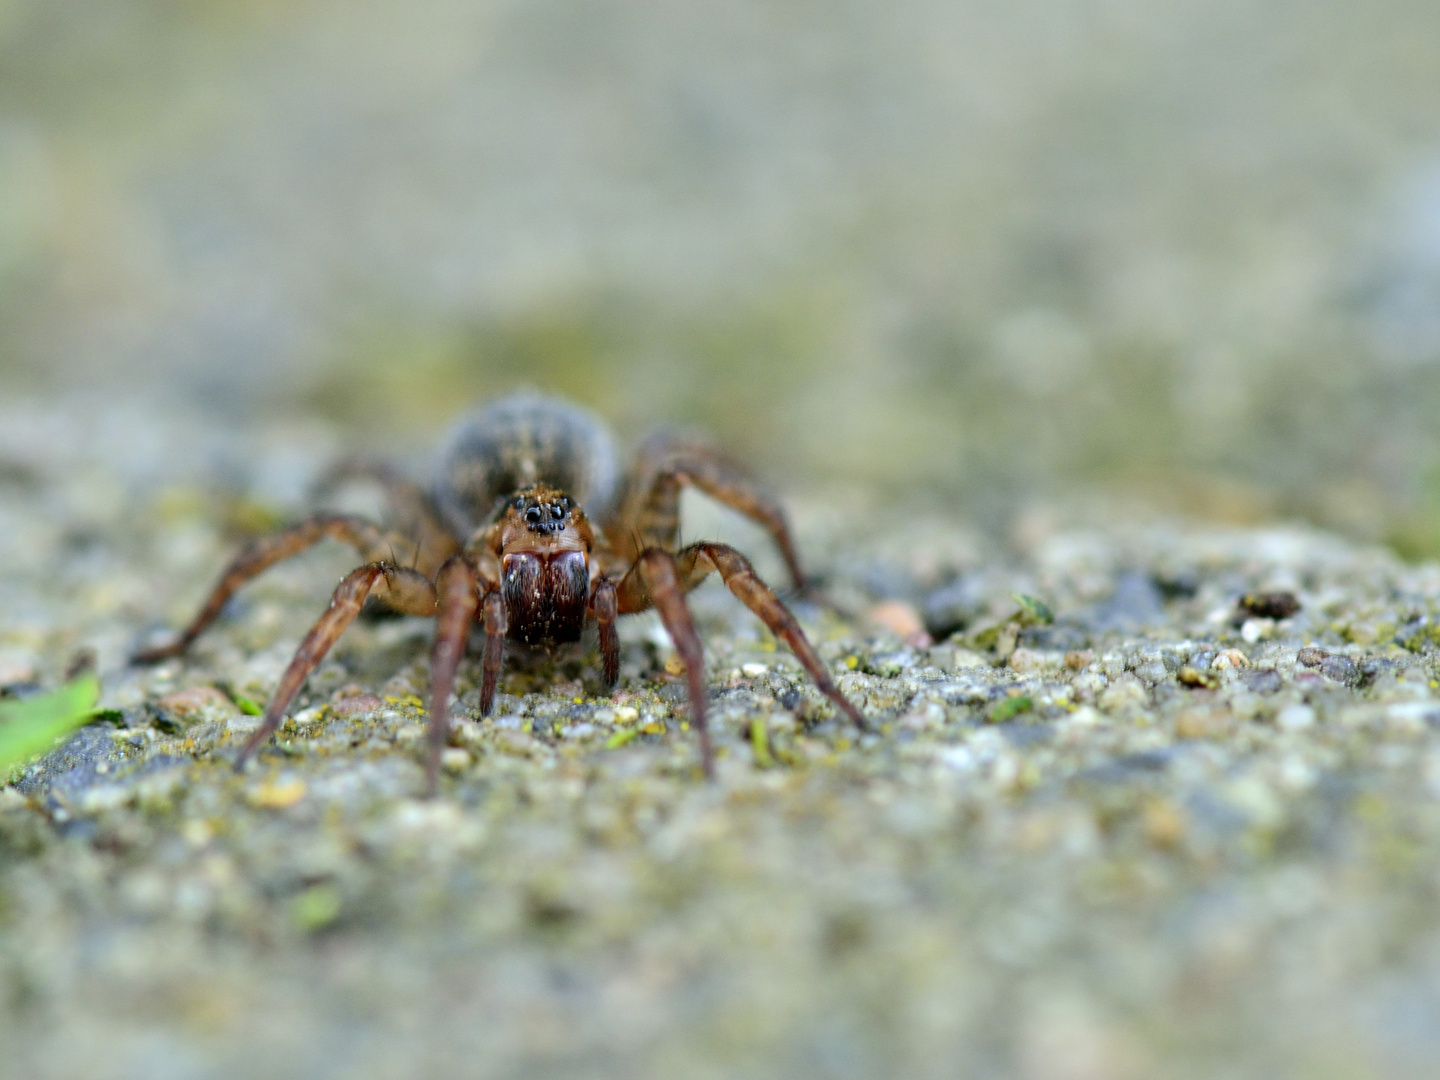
[649, 510]
[696, 563]
[457, 598]
[373, 543]
[603, 607]
[698, 560]
[405, 590]
[654, 581]
[412, 507]
[496, 624]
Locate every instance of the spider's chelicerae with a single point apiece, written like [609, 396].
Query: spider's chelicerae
[503, 541]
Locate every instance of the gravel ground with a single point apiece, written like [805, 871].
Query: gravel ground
[1161, 835]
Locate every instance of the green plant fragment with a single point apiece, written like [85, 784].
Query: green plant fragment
[315, 907]
[1008, 709]
[620, 738]
[760, 743]
[984, 638]
[31, 727]
[1033, 611]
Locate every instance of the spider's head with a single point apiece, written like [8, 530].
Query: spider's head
[543, 510]
[545, 555]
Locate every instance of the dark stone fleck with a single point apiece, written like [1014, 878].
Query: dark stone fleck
[954, 606]
[1177, 586]
[1262, 680]
[1375, 669]
[1341, 669]
[1147, 760]
[1270, 605]
[1311, 656]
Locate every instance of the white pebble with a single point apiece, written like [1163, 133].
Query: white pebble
[754, 670]
[455, 759]
[1295, 718]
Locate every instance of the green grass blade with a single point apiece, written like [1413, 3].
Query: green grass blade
[620, 738]
[760, 743]
[30, 727]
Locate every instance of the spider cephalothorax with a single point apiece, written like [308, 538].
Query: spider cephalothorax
[502, 540]
[545, 545]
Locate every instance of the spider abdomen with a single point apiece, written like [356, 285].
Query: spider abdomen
[518, 442]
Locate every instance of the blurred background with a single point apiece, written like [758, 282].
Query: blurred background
[991, 249]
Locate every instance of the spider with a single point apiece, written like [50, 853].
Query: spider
[503, 540]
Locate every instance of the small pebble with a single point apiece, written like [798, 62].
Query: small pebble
[1199, 680]
[1256, 630]
[358, 705]
[901, 619]
[1341, 669]
[276, 794]
[1262, 680]
[1029, 660]
[1295, 718]
[196, 700]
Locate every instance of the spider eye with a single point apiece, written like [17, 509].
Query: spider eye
[533, 514]
[557, 512]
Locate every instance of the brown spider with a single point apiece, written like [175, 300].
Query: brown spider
[503, 541]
